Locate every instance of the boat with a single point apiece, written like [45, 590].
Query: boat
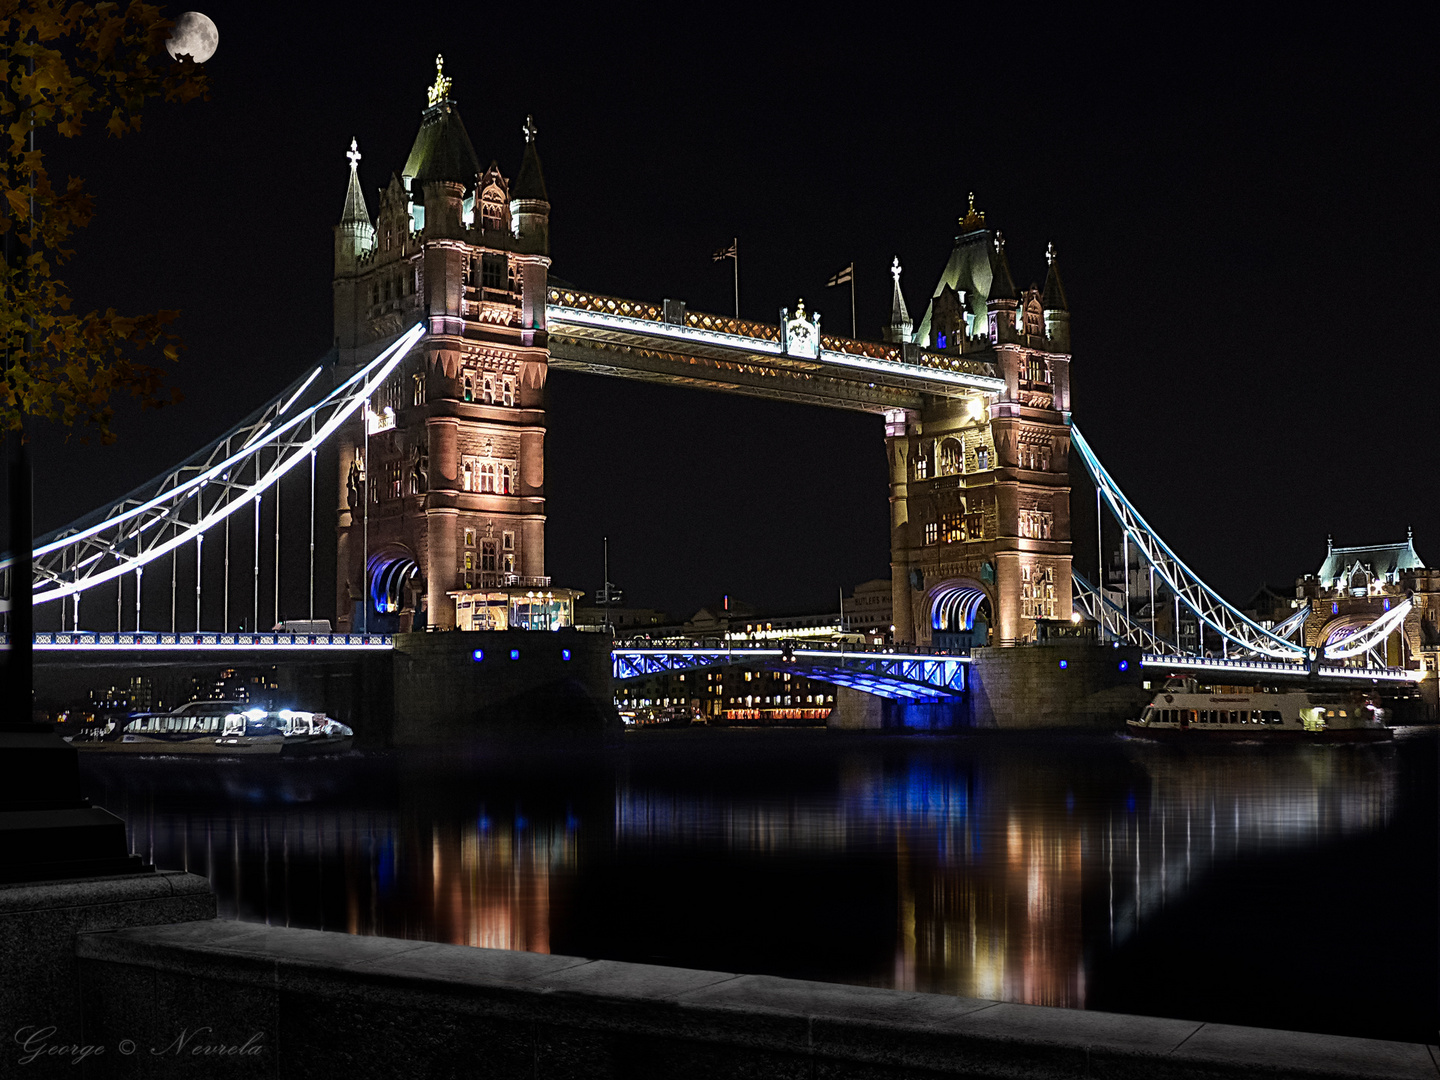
[313, 733]
[1188, 709]
[201, 727]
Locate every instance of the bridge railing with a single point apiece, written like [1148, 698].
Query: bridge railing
[81, 640]
[671, 644]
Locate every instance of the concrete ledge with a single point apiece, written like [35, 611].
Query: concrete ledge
[332, 1003]
[38, 923]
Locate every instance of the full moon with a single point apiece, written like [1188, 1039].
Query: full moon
[195, 35]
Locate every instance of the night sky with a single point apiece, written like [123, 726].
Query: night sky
[1244, 213]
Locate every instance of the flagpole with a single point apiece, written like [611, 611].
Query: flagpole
[735, 244]
[854, 334]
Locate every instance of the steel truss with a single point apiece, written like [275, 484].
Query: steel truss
[1115, 624]
[1204, 601]
[914, 676]
[229, 474]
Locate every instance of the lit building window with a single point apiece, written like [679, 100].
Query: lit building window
[489, 389]
[952, 457]
[932, 532]
[469, 392]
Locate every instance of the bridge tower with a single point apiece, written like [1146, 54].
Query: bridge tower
[442, 486]
[979, 485]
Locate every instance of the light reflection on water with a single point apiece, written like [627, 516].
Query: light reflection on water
[1012, 869]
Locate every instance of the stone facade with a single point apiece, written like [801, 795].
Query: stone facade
[442, 487]
[979, 483]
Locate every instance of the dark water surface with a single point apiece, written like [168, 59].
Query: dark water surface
[1278, 886]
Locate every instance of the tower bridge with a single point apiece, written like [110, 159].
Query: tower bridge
[446, 328]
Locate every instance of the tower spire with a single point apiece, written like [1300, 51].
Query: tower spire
[356, 212]
[900, 325]
[439, 90]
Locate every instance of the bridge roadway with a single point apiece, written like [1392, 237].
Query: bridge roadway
[887, 671]
[603, 335]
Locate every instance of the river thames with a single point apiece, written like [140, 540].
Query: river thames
[1275, 886]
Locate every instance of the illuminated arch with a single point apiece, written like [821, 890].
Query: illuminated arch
[388, 571]
[954, 604]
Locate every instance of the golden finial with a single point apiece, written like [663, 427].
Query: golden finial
[973, 218]
[441, 90]
[800, 309]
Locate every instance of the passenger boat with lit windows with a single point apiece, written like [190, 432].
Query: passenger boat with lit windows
[1188, 709]
[220, 728]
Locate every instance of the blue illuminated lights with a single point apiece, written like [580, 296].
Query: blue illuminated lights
[514, 654]
[1124, 665]
[478, 654]
[564, 654]
[1064, 664]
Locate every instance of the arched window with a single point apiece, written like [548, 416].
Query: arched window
[982, 459]
[952, 457]
[487, 476]
[469, 388]
[506, 478]
[467, 478]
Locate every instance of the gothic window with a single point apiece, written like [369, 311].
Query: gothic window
[469, 393]
[489, 389]
[509, 540]
[1034, 320]
[394, 479]
[469, 537]
[467, 477]
[488, 557]
[982, 459]
[492, 211]
[509, 562]
[932, 532]
[418, 396]
[509, 389]
[494, 271]
[469, 560]
[506, 483]
[1036, 524]
[922, 466]
[487, 477]
[952, 528]
[1037, 370]
[952, 457]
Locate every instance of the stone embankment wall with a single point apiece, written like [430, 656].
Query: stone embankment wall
[280, 1002]
[456, 686]
[1056, 685]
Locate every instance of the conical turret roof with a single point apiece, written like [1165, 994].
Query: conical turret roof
[356, 212]
[442, 150]
[900, 325]
[530, 183]
[1053, 298]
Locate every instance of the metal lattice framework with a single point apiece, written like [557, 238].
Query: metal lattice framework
[232, 472]
[1248, 636]
[911, 676]
[1114, 624]
[1212, 609]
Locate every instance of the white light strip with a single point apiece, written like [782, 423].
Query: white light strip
[397, 352]
[1366, 639]
[912, 371]
[1266, 667]
[394, 354]
[556, 314]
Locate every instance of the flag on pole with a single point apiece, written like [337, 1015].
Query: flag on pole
[730, 252]
[848, 274]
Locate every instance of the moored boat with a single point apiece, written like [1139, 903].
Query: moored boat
[1187, 709]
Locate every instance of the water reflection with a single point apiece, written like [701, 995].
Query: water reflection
[1021, 870]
